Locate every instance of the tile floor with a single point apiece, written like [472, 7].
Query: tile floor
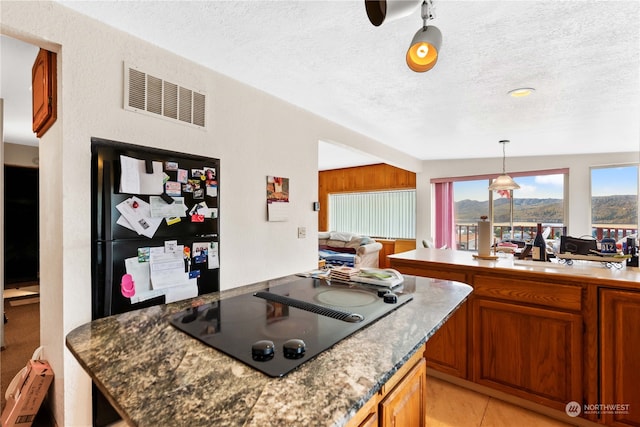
[449, 405]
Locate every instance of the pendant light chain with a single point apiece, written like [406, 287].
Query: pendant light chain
[504, 159]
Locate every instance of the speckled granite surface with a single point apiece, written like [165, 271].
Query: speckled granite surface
[156, 375]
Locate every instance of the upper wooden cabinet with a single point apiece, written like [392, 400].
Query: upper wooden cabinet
[44, 92]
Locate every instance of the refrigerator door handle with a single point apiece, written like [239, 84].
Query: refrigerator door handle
[108, 280]
[106, 215]
[106, 200]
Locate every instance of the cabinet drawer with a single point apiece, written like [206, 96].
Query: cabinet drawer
[529, 292]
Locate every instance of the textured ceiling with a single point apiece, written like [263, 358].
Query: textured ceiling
[582, 57]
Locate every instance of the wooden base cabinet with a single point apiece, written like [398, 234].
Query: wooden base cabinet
[405, 404]
[400, 402]
[530, 352]
[620, 357]
[447, 348]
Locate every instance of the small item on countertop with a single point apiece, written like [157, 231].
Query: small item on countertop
[539, 249]
[262, 350]
[484, 237]
[294, 348]
[390, 298]
[608, 246]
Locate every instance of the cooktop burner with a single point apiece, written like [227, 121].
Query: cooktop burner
[280, 328]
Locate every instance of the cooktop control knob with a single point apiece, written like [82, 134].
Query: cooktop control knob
[262, 350]
[390, 298]
[382, 292]
[294, 348]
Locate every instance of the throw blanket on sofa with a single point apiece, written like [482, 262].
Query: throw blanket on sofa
[337, 258]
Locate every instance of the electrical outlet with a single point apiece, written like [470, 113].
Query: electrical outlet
[302, 232]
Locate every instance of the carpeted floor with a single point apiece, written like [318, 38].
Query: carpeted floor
[21, 338]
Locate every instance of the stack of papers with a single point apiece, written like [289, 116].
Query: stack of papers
[343, 274]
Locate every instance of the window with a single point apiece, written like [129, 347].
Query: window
[388, 214]
[614, 201]
[540, 199]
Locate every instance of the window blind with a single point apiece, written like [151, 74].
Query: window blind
[385, 214]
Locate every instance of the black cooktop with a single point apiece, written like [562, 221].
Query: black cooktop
[278, 329]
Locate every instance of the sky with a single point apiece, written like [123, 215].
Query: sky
[605, 181]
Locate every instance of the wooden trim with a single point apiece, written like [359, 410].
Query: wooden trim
[359, 179]
[493, 175]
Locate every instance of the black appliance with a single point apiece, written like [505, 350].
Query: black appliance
[284, 326]
[114, 243]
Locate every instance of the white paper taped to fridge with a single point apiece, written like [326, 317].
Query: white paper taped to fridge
[167, 269]
[138, 218]
[134, 178]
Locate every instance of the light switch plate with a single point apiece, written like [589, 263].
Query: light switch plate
[302, 232]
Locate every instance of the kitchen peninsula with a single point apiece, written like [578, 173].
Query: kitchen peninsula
[154, 374]
[546, 333]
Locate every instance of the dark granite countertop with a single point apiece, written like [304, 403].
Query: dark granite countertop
[155, 375]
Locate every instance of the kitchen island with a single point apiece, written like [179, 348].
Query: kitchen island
[543, 333]
[155, 375]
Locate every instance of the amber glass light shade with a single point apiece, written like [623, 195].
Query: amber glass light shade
[423, 52]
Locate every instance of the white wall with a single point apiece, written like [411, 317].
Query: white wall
[20, 155]
[253, 134]
[579, 201]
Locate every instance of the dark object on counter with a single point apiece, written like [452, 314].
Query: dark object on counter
[263, 350]
[632, 250]
[539, 249]
[577, 245]
[390, 298]
[265, 329]
[294, 348]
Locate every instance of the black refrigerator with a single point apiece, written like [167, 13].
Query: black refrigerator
[155, 231]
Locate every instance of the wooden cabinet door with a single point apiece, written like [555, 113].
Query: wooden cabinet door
[529, 352]
[620, 357]
[447, 348]
[405, 404]
[44, 91]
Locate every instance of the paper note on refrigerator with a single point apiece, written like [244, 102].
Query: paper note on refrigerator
[167, 270]
[134, 178]
[137, 217]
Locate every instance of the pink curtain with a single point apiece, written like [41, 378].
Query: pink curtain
[445, 216]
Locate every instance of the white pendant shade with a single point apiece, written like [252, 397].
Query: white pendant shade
[503, 182]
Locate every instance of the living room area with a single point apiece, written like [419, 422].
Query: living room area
[359, 240]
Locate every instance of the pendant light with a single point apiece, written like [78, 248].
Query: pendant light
[425, 46]
[504, 181]
[381, 11]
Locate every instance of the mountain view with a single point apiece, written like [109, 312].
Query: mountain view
[605, 210]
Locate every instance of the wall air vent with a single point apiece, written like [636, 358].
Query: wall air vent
[152, 95]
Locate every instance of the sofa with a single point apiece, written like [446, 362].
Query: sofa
[353, 250]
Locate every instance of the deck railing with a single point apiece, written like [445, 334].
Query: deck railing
[466, 233]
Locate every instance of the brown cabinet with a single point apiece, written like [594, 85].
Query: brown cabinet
[44, 91]
[388, 248]
[620, 357]
[400, 402]
[447, 348]
[405, 405]
[531, 352]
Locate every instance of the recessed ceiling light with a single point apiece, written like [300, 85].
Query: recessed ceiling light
[521, 91]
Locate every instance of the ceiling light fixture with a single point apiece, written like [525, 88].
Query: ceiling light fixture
[504, 181]
[521, 92]
[380, 11]
[425, 46]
